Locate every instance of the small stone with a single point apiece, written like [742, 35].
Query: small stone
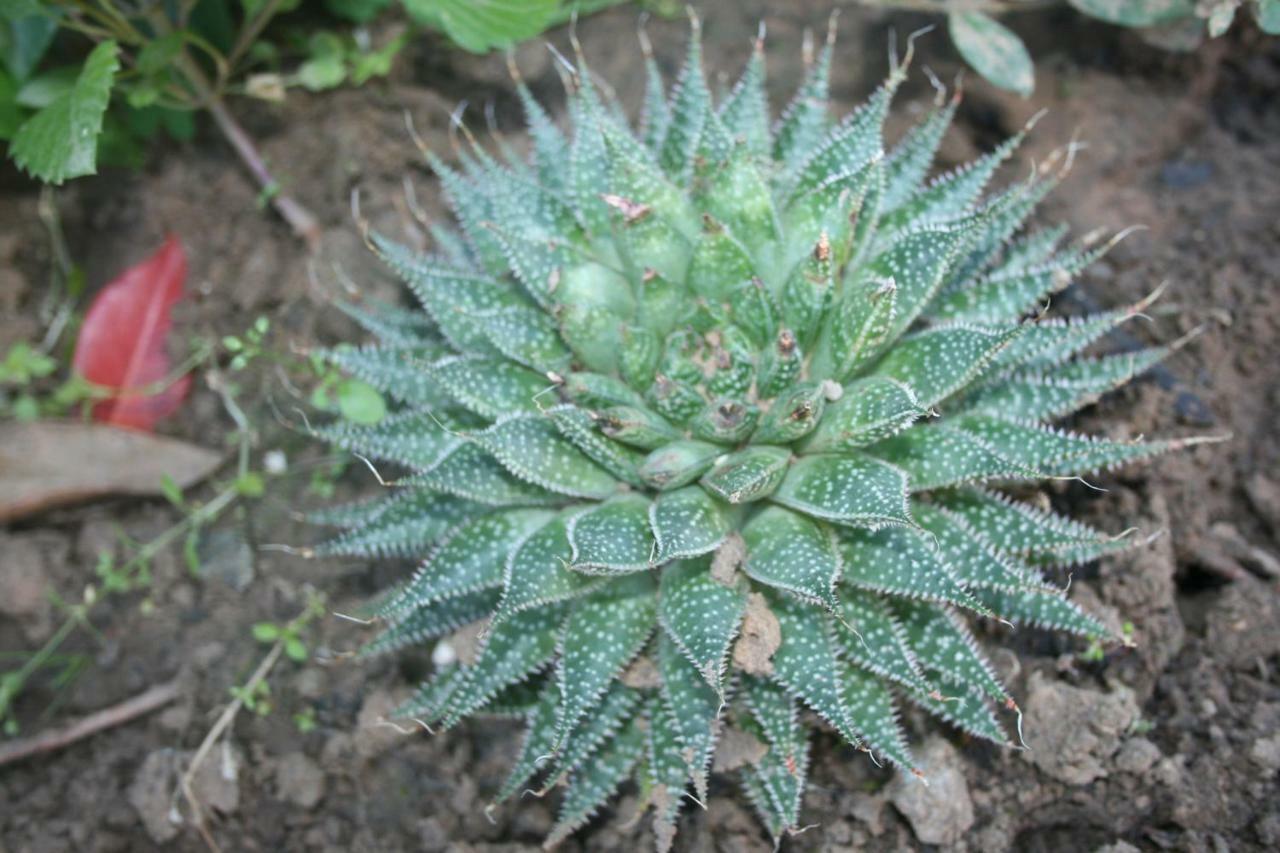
[299, 780]
[1118, 846]
[1265, 752]
[940, 812]
[225, 556]
[1074, 732]
[1137, 756]
[151, 794]
[432, 837]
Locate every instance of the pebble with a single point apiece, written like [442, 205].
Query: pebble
[942, 811]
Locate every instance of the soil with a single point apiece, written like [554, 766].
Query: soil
[1173, 744]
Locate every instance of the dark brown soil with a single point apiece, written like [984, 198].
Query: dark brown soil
[1174, 744]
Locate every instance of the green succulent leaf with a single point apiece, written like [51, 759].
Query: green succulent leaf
[993, 50]
[850, 489]
[694, 708]
[613, 537]
[788, 551]
[1136, 13]
[701, 615]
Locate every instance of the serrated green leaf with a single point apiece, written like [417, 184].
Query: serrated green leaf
[613, 537]
[745, 110]
[694, 708]
[394, 370]
[852, 144]
[593, 784]
[701, 615]
[870, 410]
[539, 740]
[935, 455]
[993, 50]
[775, 784]
[525, 336]
[417, 440]
[531, 448]
[805, 663]
[901, 563]
[432, 620]
[967, 713]
[750, 474]
[490, 387]
[605, 631]
[580, 428]
[917, 263]
[612, 712]
[975, 563]
[473, 556]
[513, 649]
[868, 635]
[940, 361]
[687, 522]
[874, 715]
[1047, 610]
[804, 120]
[1053, 452]
[942, 644]
[395, 327]
[61, 140]
[857, 329]
[849, 489]
[690, 106]
[538, 572]
[1017, 528]
[470, 472]
[908, 163]
[789, 551]
[404, 525]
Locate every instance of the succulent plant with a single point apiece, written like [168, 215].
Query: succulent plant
[703, 424]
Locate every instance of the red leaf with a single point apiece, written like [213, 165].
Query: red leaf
[122, 343]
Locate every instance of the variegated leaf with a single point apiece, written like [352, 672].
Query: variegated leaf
[701, 615]
[788, 551]
[850, 489]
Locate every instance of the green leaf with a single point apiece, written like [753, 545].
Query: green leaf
[417, 440]
[973, 560]
[668, 773]
[61, 141]
[266, 632]
[404, 527]
[850, 489]
[908, 163]
[431, 621]
[857, 328]
[514, 648]
[612, 712]
[360, 403]
[993, 50]
[690, 105]
[870, 636]
[26, 31]
[775, 784]
[470, 472]
[788, 551]
[902, 563]
[1047, 610]
[805, 663]
[874, 715]
[580, 427]
[701, 615]
[594, 783]
[531, 448]
[525, 336]
[967, 713]
[537, 572]
[1136, 13]
[869, 410]
[935, 455]
[473, 556]
[804, 119]
[750, 474]
[943, 644]
[489, 387]
[678, 464]
[1053, 452]
[482, 25]
[605, 631]
[694, 708]
[687, 522]
[852, 144]
[613, 537]
[940, 361]
[917, 263]
[295, 649]
[539, 740]
[1014, 527]
[745, 110]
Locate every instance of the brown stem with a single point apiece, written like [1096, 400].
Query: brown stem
[143, 703]
[301, 220]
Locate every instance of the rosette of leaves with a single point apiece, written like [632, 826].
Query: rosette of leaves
[705, 425]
